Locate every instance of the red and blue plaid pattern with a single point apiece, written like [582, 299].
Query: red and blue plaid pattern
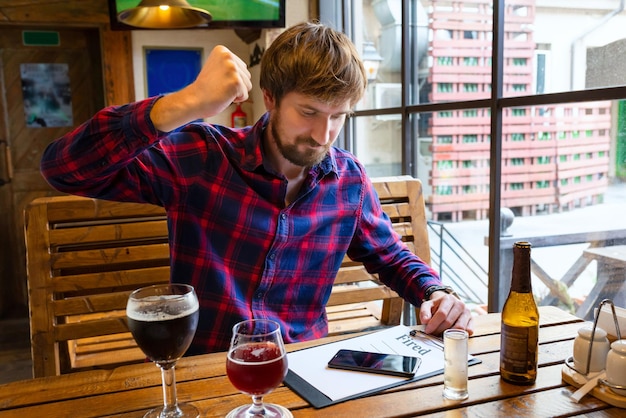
[231, 235]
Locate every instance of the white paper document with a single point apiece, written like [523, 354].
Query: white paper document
[311, 364]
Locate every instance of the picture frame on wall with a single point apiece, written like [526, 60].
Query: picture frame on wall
[170, 69]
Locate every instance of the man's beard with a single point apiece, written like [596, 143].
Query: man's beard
[313, 154]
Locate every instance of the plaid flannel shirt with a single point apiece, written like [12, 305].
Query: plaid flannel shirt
[231, 235]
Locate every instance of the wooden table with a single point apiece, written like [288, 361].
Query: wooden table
[130, 390]
[611, 279]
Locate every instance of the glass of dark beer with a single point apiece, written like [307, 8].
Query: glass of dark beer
[163, 320]
[256, 365]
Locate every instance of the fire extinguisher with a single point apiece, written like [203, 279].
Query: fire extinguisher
[239, 119]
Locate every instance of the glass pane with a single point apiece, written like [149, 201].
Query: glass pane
[378, 144]
[563, 46]
[561, 166]
[452, 154]
[562, 189]
[378, 36]
[457, 63]
[460, 164]
[448, 51]
[519, 62]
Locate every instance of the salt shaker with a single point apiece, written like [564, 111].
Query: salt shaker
[600, 348]
[616, 366]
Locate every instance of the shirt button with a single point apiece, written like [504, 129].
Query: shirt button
[283, 216]
[259, 295]
[272, 256]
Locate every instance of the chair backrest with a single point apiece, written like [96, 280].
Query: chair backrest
[85, 256]
[358, 300]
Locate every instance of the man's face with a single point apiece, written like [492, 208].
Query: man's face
[303, 129]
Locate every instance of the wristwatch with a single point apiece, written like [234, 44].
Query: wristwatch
[432, 289]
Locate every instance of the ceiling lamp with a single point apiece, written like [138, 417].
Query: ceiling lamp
[164, 14]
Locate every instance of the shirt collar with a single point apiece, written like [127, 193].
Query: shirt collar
[253, 149]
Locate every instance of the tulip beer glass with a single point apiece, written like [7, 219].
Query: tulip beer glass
[256, 365]
[163, 320]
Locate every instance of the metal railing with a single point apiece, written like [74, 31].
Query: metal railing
[456, 266]
[460, 269]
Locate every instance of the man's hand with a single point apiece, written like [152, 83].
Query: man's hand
[223, 79]
[445, 311]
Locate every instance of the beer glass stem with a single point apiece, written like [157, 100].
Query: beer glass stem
[257, 408]
[168, 376]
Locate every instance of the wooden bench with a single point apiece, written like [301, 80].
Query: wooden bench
[85, 256]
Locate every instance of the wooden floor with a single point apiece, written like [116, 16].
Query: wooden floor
[15, 362]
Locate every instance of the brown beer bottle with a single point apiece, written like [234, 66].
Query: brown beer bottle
[520, 323]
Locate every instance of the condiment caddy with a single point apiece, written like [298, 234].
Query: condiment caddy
[597, 366]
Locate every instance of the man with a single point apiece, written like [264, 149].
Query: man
[259, 218]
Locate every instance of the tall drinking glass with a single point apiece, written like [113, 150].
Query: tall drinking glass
[163, 320]
[455, 353]
[256, 365]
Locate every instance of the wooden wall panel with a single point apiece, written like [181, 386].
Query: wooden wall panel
[119, 81]
[54, 11]
[101, 74]
[115, 46]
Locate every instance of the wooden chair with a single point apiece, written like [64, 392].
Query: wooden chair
[358, 300]
[85, 256]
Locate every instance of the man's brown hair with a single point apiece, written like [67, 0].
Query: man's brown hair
[314, 60]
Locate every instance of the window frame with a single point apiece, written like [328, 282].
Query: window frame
[340, 15]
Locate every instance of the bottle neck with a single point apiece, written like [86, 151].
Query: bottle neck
[520, 279]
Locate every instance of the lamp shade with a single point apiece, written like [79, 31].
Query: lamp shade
[164, 14]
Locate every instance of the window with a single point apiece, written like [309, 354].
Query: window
[558, 102]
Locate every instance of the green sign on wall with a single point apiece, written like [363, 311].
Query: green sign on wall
[40, 38]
